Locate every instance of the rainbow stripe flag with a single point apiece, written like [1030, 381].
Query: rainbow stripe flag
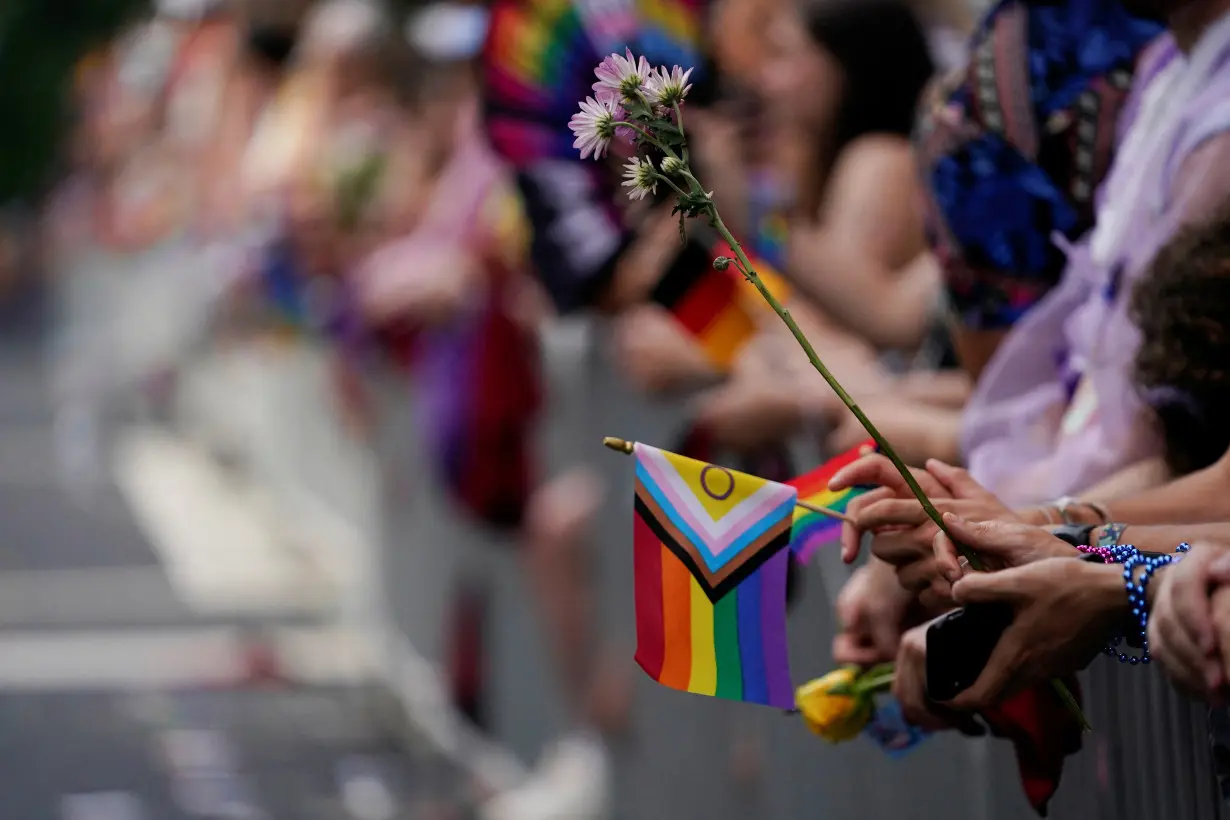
[710, 555]
[812, 529]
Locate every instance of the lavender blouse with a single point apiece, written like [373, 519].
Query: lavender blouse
[1056, 411]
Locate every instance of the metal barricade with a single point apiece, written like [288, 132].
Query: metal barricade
[1147, 759]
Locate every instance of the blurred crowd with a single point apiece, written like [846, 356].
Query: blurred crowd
[1000, 227]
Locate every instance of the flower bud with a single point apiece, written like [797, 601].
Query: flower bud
[673, 166]
[721, 263]
[835, 717]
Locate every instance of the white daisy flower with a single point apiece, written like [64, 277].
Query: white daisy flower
[594, 126]
[640, 176]
[620, 78]
[668, 87]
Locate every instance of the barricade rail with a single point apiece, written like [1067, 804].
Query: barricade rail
[402, 547]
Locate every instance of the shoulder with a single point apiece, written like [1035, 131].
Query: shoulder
[873, 161]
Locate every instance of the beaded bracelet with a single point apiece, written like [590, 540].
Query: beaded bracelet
[1137, 591]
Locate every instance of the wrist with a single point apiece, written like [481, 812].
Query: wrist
[1039, 516]
[1104, 583]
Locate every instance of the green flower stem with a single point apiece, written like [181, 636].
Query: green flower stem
[873, 684]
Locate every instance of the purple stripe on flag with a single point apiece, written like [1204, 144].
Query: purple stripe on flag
[772, 576]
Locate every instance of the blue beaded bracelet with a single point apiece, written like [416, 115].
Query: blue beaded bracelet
[1137, 594]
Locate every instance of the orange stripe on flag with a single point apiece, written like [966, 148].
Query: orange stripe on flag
[676, 622]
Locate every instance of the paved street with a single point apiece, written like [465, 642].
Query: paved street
[119, 700]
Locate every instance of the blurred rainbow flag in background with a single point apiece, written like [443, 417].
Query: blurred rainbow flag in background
[812, 529]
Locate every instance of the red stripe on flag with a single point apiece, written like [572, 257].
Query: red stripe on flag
[647, 569]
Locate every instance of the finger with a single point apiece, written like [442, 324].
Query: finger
[885, 636]
[987, 587]
[1180, 656]
[910, 692]
[957, 481]
[905, 512]
[1219, 570]
[872, 469]
[936, 599]
[849, 650]
[992, 684]
[901, 549]
[851, 534]
[877, 469]
[1192, 612]
[917, 576]
[997, 539]
[947, 561]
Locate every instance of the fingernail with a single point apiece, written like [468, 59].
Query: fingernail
[1222, 564]
[950, 517]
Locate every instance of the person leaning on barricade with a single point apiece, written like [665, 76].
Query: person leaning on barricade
[1164, 596]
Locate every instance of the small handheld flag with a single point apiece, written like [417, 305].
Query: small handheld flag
[710, 548]
[813, 529]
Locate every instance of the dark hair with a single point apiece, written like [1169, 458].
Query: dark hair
[883, 52]
[1183, 365]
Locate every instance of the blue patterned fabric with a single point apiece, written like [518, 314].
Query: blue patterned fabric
[1014, 146]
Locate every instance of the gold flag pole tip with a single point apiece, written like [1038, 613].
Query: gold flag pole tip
[618, 444]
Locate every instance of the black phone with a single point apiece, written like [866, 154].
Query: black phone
[960, 644]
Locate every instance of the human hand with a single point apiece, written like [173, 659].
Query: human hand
[910, 689]
[871, 610]
[1064, 611]
[904, 532]
[909, 544]
[424, 283]
[1183, 635]
[1002, 544]
[918, 430]
[655, 351]
[749, 412]
[876, 470]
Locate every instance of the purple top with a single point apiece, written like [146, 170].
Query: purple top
[1056, 411]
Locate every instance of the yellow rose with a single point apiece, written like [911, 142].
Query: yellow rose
[834, 717]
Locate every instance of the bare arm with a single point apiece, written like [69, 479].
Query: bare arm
[866, 265]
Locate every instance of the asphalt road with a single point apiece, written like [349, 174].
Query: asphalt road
[97, 725]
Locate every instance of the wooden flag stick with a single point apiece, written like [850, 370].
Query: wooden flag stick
[625, 447]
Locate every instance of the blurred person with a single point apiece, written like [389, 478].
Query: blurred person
[997, 200]
[1046, 421]
[843, 117]
[454, 286]
[1052, 419]
[119, 197]
[1177, 367]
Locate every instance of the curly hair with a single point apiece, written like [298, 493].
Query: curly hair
[1183, 365]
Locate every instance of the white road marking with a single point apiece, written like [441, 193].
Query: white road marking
[160, 659]
[220, 552]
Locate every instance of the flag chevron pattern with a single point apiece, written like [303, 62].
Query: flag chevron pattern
[721, 523]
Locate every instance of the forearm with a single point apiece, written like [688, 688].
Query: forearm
[890, 308]
[1164, 538]
[1196, 498]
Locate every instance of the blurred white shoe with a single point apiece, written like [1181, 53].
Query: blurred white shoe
[572, 782]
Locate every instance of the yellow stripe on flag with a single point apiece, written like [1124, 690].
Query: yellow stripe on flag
[704, 658]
